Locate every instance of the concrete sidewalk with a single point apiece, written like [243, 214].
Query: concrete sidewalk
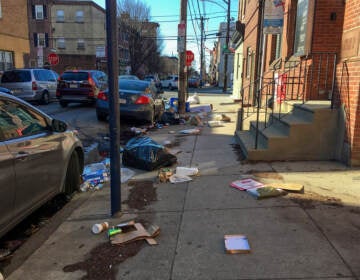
[315, 235]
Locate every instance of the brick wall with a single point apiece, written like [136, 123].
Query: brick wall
[348, 81]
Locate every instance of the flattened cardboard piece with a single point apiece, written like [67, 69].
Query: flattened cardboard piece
[139, 233]
[290, 187]
[236, 244]
[246, 184]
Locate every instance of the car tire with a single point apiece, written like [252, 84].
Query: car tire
[45, 98]
[63, 103]
[72, 179]
[101, 116]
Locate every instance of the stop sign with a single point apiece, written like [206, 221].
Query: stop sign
[189, 57]
[53, 58]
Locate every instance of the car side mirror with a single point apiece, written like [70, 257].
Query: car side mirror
[58, 126]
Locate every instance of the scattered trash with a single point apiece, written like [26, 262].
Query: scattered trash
[94, 176]
[167, 143]
[236, 244]
[173, 102]
[193, 131]
[201, 108]
[215, 123]
[165, 174]
[137, 130]
[196, 120]
[144, 153]
[138, 233]
[98, 228]
[176, 178]
[222, 117]
[245, 184]
[186, 171]
[265, 192]
[170, 118]
[257, 189]
[290, 187]
[194, 99]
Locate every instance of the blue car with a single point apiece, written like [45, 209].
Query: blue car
[138, 101]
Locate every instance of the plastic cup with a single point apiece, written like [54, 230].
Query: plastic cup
[98, 228]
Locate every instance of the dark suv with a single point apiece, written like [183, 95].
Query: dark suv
[80, 86]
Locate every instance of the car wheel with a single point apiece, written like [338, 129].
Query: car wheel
[72, 179]
[45, 98]
[101, 116]
[63, 104]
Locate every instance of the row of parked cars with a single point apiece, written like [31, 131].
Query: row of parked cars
[40, 157]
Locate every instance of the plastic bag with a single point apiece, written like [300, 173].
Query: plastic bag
[144, 153]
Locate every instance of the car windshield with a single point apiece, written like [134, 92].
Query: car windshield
[75, 76]
[132, 85]
[16, 76]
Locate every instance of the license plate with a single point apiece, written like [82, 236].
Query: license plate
[73, 85]
[17, 90]
[122, 101]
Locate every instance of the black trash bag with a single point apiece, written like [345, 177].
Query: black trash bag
[170, 118]
[144, 153]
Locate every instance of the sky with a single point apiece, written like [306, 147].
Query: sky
[167, 14]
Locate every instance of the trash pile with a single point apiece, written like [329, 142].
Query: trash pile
[260, 190]
[181, 174]
[127, 232]
[95, 175]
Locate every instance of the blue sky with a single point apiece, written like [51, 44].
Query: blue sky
[167, 14]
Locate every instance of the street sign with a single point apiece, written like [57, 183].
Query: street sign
[53, 58]
[189, 57]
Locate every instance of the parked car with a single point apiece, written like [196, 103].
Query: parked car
[31, 84]
[156, 80]
[193, 82]
[40, 158]
[80, 86]
[171, 82]
[128, 77]
[138, 100]
[6, 90]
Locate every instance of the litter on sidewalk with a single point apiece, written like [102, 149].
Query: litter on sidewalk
[165, 174]
[215, 123]
[236, 244]
[137, 232]
[289, 187]
[193, 131]
[186, 171]
[257, 189]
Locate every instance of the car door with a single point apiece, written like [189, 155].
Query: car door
[37, 153]
[52, 83]
[7, 182]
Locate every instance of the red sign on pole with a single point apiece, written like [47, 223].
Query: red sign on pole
[189, 57]
[53, 58]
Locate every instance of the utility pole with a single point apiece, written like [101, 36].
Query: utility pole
[182, 59]
[227, 46]
[114, 121]
[201, 50]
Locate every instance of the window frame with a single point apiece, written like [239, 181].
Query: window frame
[81, 44]
[6, 60]
[79, 16]
[39, 40]
[61, 43]
[60, 16]
[39, 9]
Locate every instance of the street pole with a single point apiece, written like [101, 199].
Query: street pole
[227, 46]
[114, 121]
[201, 50]
[182, 59]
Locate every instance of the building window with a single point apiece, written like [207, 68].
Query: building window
[60, 42]
[6, 60]
[79, 16]
[81, 44]
[39, 12]
[41, 39]
[60, 16]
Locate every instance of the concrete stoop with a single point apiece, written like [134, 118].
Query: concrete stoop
[307, 132]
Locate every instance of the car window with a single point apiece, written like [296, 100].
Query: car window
[40, 75]
[49, 75]
[75, 76]
[176, 78]
[16, 76]
[16, 120]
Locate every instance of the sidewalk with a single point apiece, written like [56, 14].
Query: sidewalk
[311, 236]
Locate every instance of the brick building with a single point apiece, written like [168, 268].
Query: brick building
[14, 34]
[313, 55]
